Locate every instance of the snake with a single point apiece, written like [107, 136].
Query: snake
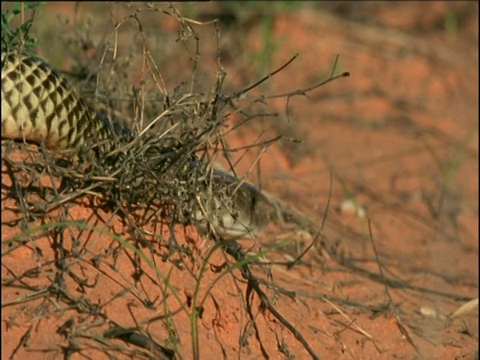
[40, 106]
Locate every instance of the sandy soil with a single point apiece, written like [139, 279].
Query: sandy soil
[393, 149]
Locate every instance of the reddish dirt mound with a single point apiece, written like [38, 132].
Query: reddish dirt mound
[398, 140]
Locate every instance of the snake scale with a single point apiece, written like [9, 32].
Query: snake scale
[40, 106]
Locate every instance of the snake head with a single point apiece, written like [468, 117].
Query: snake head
[232, 208]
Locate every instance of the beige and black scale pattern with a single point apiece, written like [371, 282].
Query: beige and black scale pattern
[38, 104]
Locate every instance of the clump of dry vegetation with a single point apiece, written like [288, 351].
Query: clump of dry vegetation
[160, 175]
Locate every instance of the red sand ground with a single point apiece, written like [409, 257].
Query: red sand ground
[400, 137]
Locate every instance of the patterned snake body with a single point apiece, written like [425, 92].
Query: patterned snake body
[39, 105]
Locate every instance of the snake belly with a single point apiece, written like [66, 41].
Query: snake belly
[39, 105]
